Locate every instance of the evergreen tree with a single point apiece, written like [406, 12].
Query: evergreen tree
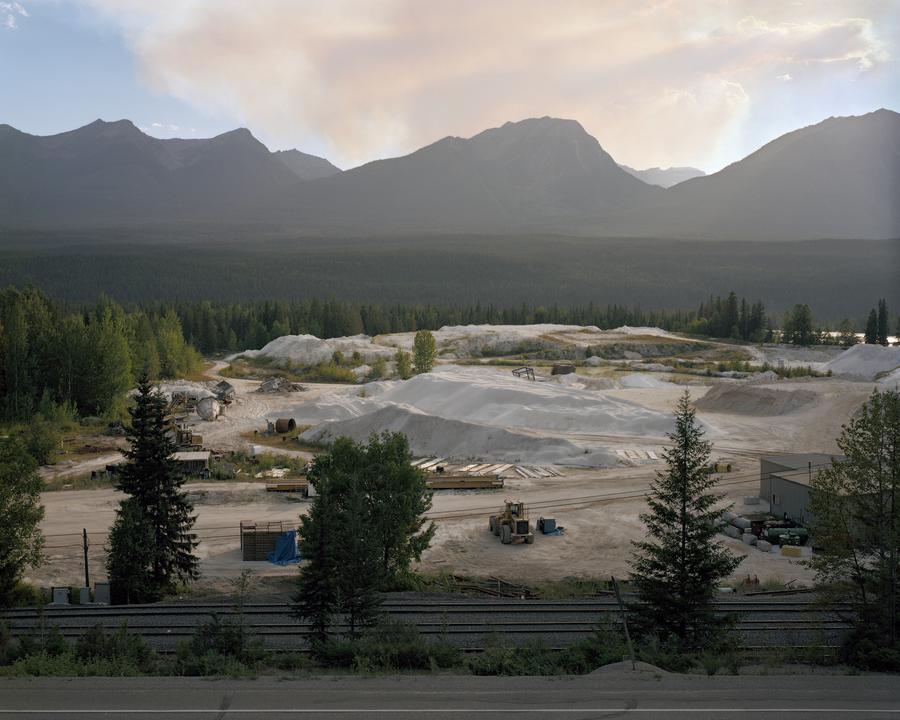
[882, 328]
[317, 593]
[679, 566]
[356, 555]
[127, 561]
[21, 512]
[153, 479]
[424, 351]
[856, 509]
[872, 328]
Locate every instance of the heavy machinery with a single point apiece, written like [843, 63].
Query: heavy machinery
[512, 524]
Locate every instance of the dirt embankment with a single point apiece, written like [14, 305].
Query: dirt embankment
[755, 400]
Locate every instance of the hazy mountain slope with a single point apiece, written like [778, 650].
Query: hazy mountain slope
[306, 167]
[664, 177]
[110, 171]
[837, 179]
[534, 173]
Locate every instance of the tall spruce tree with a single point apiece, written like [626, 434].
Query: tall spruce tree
[856, 509]
[317, 593]
[679, 566]
[127, 561]
[872, 328]
[152, 477]
[882, 327]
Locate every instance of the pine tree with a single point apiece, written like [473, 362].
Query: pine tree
[882, 327]
[356, 556]
[424, 351]
[856, 509]
[127, 561]
[317, 594]
[680, 565]
[872, 328]
[21, 512]
[153, 479]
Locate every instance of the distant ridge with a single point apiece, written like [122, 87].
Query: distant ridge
[664, 177]
[837, 179]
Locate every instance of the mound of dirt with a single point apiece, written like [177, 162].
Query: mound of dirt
[458, 440]
[747, 399]
[498, 398]
[865, 361]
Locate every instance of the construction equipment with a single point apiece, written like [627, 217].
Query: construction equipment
[512, 524]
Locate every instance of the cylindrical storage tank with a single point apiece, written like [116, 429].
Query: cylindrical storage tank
[284, 425]
[208, 408]
[742, 523]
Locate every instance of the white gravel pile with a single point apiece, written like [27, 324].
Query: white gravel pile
[502, 399]
[310, 350]
[458, 440]
[865, 361]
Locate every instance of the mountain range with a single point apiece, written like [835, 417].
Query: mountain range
[837, 179]
[664, 177]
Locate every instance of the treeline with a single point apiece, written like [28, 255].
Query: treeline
[218, 326]
[81, 362]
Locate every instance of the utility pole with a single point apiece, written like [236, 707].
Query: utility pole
[624, 621]
[87, 572]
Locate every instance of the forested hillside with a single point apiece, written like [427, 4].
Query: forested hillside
[209, 263]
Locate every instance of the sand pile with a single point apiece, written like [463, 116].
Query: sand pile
[502, 399]
[865, 361]
[310, 350]
[458, 440]
[751, 399]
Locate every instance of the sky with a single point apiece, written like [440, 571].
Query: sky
[657, 82]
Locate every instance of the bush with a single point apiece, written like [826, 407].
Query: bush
[120, 648]
[390, 646]
[220, 647]
[864, 649]
[42, 440]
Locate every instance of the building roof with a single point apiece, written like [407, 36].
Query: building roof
[192, 455]
[802, 476]
[802, 461]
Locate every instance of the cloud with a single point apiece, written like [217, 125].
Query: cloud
[10, 12]
[659, 82]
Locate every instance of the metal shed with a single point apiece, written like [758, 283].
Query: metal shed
[784, 482]
[194, 463]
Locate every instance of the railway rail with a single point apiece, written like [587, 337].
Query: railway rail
[469, 624]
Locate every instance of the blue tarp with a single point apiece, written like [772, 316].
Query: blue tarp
[285, 552]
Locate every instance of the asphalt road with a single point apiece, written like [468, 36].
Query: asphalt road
[614, 693]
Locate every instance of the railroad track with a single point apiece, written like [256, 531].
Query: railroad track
[469, 624]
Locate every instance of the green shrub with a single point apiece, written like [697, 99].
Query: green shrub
[121, 647]
[42, 440]
[68, 665]
[390, 646]
[668, 656]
